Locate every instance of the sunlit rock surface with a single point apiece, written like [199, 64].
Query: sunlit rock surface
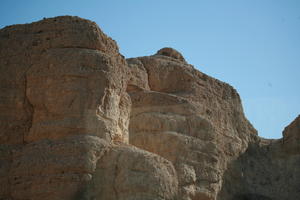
[78, 121]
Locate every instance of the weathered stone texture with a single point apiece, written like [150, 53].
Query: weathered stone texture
[58, 73]
[78, 121]
[63, 105]
[189, 118]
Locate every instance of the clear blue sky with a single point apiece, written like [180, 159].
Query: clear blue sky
[254, 45]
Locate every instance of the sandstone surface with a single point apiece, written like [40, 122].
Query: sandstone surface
[79, 121]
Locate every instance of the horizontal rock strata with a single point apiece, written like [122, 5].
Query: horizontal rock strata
[79, 121]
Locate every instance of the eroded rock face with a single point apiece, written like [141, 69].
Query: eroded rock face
[57, 73]
[130, 173]
[171, 53]
[269, 169]
[78, 121]
[189, 118]
[63, 106]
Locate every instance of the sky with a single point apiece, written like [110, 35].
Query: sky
[254, 45]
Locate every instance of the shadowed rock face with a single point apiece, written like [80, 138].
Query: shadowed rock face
[78, 121]
[267, 170]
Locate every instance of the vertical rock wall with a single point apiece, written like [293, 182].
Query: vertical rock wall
[187, 117]
[64, 109]
[78, 121]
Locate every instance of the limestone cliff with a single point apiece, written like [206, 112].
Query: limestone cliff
[79, 121]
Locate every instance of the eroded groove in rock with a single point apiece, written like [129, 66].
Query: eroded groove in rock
[197, 123]
[78, 121]
[63, 106]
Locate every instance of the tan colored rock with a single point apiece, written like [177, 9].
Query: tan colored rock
[79, 90]
[87, 167]
[55, 169]
[60, 63]
[291, 137]
[197, 123]
[138, 75]
[189, 118]
[130, 174]
[69, 129]
[63, 104]
[172, 53]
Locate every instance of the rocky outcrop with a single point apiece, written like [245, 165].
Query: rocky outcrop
[189, 118]
[56, 74]
[63, 106]
[269, 169]
[78, 121]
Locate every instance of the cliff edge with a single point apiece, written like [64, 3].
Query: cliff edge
[79, 121]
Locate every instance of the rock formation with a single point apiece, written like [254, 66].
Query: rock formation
[79, 121]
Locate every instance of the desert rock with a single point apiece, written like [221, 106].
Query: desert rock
[189, 118]
[63, 106]
[79, 121]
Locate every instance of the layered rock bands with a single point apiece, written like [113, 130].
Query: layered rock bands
[79, 121]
